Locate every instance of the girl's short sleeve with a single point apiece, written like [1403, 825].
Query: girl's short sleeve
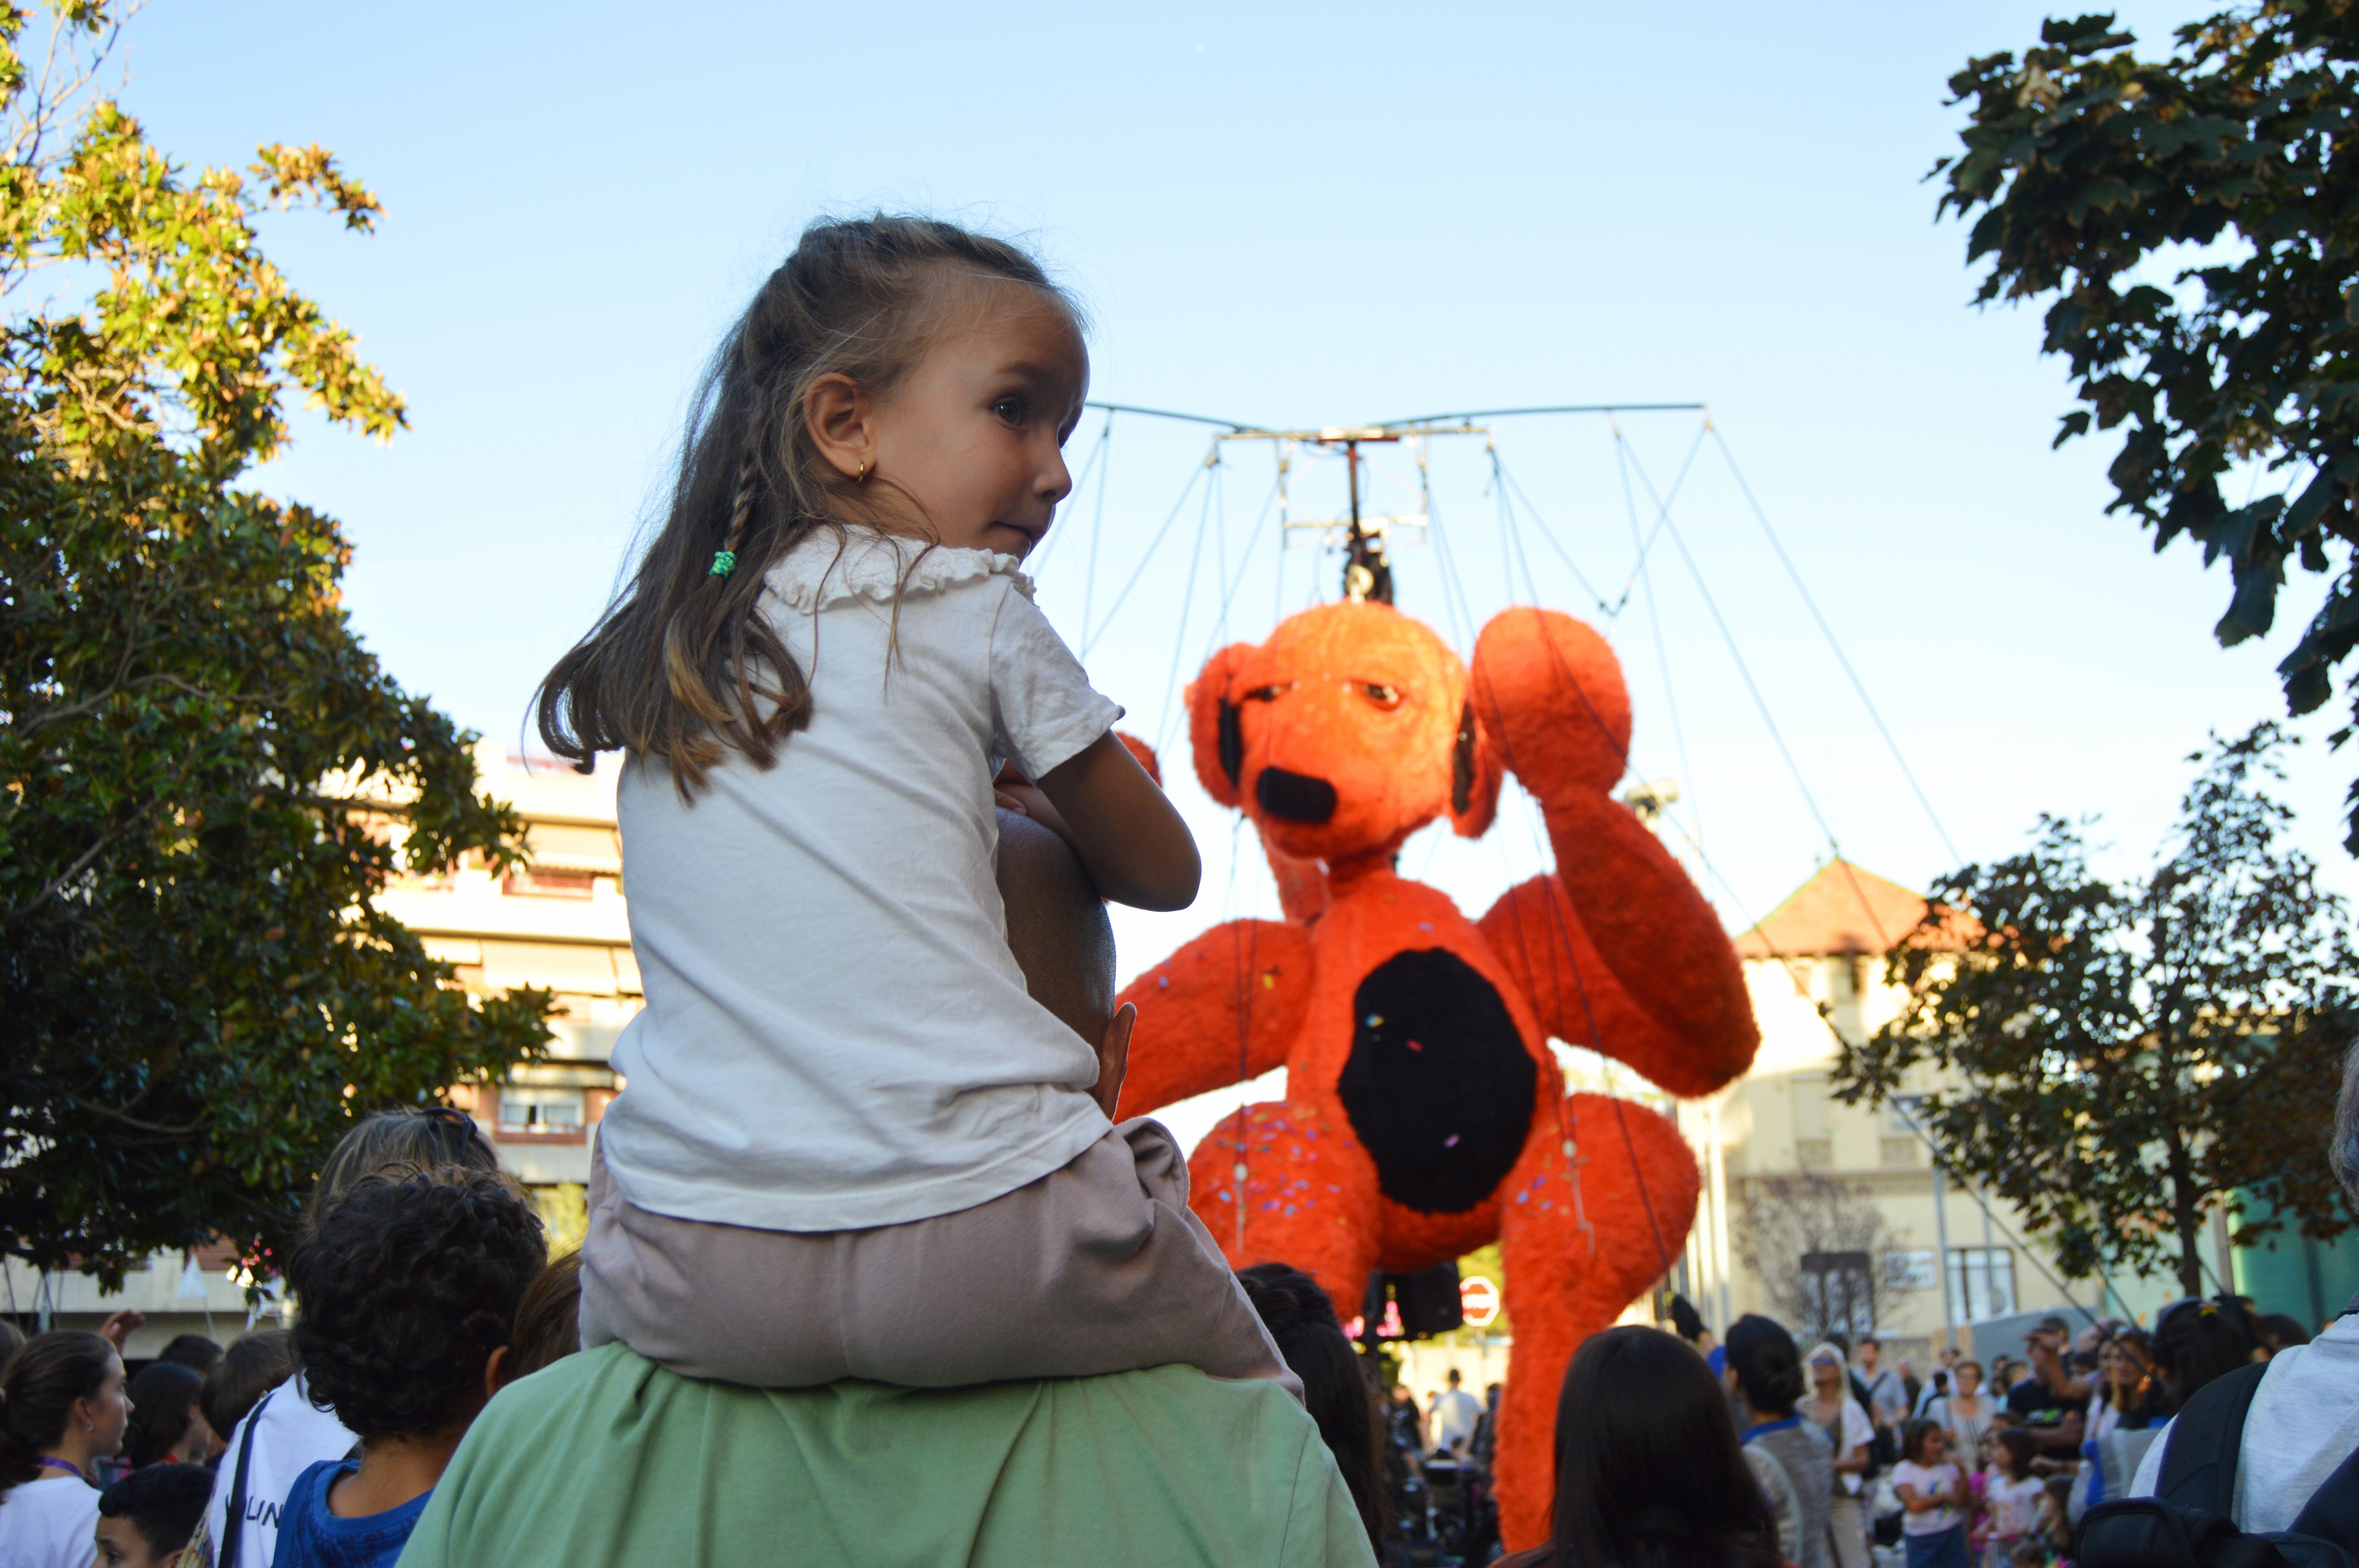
[1044, 710]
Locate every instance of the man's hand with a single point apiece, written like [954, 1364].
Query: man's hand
[117, 1329]
[1113, 1058]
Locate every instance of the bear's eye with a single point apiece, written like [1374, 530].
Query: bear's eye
[1385, 697]
[1269, 693]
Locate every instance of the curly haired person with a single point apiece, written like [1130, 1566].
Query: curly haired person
[410, 1287]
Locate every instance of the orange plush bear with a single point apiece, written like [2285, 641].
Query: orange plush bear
[1425, 1115]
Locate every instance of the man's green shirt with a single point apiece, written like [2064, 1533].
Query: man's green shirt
[605, 1460]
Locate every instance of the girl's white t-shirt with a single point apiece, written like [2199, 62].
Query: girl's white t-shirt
[1928, 1483]
[835, 1035]
[2014, 1505]
[50, 1523]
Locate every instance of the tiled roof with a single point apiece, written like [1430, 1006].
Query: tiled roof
[1842, 909]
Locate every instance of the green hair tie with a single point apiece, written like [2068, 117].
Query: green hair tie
[723, 562]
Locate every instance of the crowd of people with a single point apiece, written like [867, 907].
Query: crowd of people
[872, 1274]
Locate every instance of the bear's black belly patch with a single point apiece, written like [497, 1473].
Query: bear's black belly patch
[1438, 1085]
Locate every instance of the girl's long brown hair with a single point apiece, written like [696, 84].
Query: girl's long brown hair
[682, 665]
[38, 1391]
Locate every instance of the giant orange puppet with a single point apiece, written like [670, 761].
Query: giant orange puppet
[1425, 1115]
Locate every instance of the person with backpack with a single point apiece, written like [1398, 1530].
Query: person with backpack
[1882, 1391]
[2257, 1449]
[1834, 1407]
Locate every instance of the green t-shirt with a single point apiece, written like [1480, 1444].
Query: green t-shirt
[606, 1459]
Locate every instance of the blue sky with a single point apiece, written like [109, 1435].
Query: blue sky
[1290, 214]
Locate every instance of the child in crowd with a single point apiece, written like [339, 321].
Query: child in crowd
[408, 1289]
[548, 1326]
[2013, 1493]
[851, 1145]
[1933, 1496]
[285, 1431]
[249, 1368]
[1986, 1469]
[168, 1428]
[147, 1517]
[2055, 1531]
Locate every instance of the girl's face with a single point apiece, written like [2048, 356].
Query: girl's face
[1934, 1450]
[1991, 1448]
[107, 1412]
[969, 446]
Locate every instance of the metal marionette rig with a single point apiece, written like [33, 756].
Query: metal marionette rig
[1364, 537]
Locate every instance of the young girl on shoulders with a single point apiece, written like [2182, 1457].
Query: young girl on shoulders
[851, 1144]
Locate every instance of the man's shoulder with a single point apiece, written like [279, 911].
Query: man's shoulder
[617, 1460]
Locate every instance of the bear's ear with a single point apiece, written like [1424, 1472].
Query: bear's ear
[1213, 730]
[1474, 777]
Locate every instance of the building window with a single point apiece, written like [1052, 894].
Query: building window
[1908, 1269]
[1838, 1292]
[1981, 1282]
[1809, 1106]
[1813, 1149]
[530, 1109]
[550, 884]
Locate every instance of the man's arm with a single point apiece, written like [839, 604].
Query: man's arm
[2064, 1437]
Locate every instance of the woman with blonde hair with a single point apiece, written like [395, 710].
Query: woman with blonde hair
[1832, 1407]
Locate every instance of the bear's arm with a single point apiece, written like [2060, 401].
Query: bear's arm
[1243, 984]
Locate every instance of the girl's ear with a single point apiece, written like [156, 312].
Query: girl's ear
[1214, 730]
[1474, 777]
[837, 413]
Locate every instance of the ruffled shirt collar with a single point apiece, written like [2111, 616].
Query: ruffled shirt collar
[820, 570]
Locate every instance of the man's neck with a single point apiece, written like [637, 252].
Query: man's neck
[395, 1470]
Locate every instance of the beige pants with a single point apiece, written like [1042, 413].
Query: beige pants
[1847, 1531]
[1097, 1266]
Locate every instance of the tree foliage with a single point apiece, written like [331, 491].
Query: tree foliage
[2116, 1058]
[204, 775]
[2088, 172]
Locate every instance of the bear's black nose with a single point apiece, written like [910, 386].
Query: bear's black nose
[1296, 797]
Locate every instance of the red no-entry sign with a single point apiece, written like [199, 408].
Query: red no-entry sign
[1480, 1300]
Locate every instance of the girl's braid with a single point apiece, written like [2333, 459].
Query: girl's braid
[745, 488]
